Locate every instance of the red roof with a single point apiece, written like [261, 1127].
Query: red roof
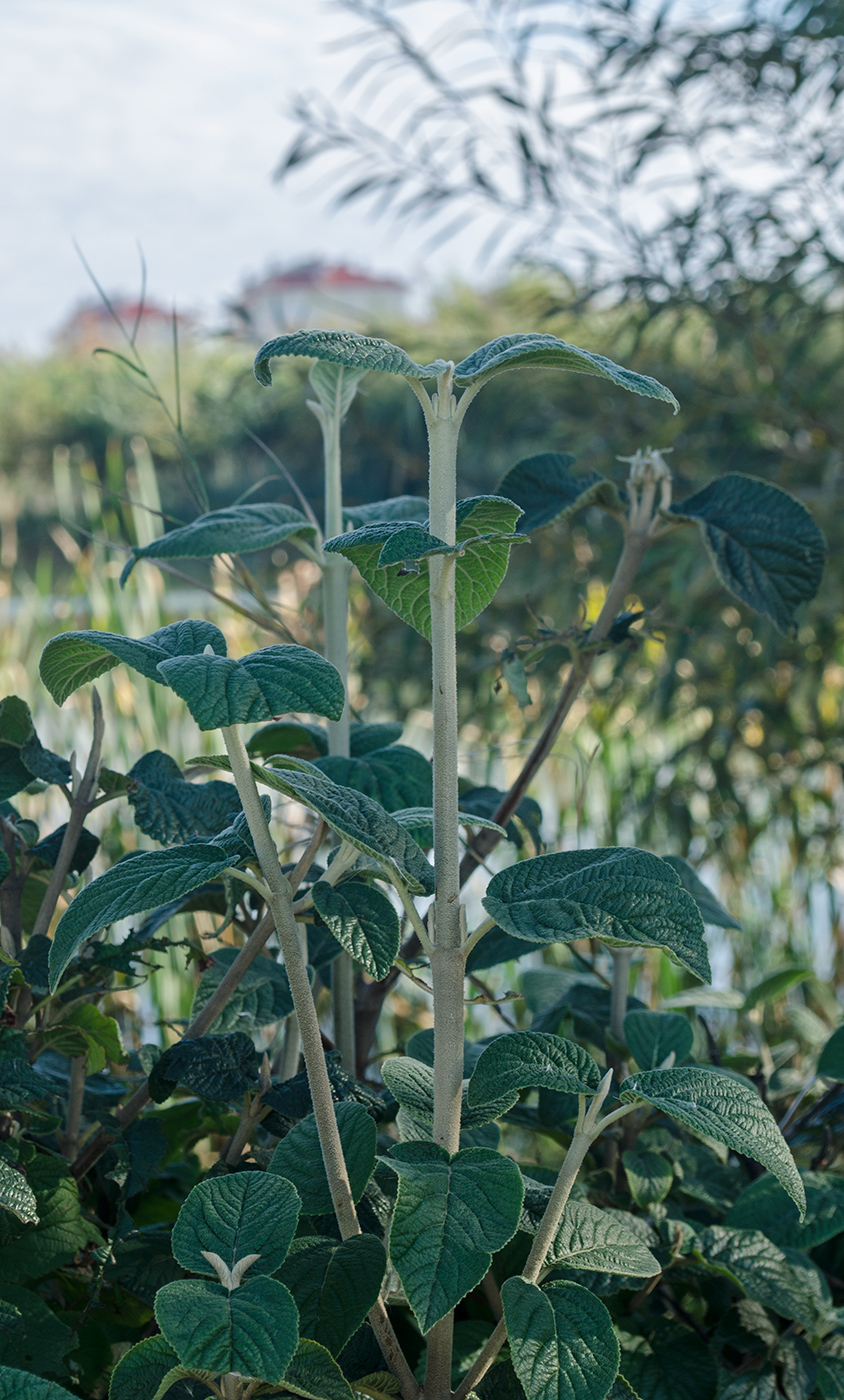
[334, 276]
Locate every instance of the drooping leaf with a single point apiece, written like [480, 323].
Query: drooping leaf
[301, 740]
[598, 1241]
[23, 758]
[363, 921]
[831, 1059]
[397, 777]
[141, 1371]
[765, 1206]
[397, 508]
[357, 818]
[363, 352]
[23, 1385]
[314, 1374]
[484, 529]
[548, 352]
[135, 884]
[292, 1098]
[219, 1067]
[762, 1271]
[496, 947]
[546, 490]
[233, 1216]
[16, 1195]
[334, 1284]
[715, 1106]
[625, 897]
[562, 1341]
[649, 1176]
[73, 658]
[253, 1329]
[652, 1036]
[91, 1034]
[711, 909]
[274, 681]
[532, 1060]
[764, 545]
[775, 985]
[451, 1215]
[261, 998]
[234, 530]
[298, 1157]
[28, 1251]
[169, 809]
[47, 849]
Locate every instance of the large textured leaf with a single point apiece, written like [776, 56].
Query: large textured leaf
[762, 1271]
[23, 757]
[397, 776]
[652, 1036]
[715, 1106]
[599, 1241]
[39, 1340]
[253, 1329]
[274, 681]
[334, 1284]
[235, 530]
[451, 1215]
[32, 1250]
[764, 1206]
[314, 1374]
[547, 352]
[830, 1359]
[673, 1364]
[625, 897]
[546, 490]
[48, 848]
[411, 1082]
[711, 909]
[357, 818]
[73, 658]
[398, 508]
[831, 1060]
[16, 1195]
[532, 1060]
[141, 1371]
[649, 1176]
[764, 545]
[138, 882]
[484, 527]
[298, 1157]
[218, 1067]
[23, 1385]
[562, 1341]
[233, 1216]
[363, 921]
[363, 352]
[170, 809]
[262, 997]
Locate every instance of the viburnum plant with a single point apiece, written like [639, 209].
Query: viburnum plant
[373, 1238]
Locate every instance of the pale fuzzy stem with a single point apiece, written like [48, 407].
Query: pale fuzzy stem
[292, 1042]
[281, 906]
[76, 1094]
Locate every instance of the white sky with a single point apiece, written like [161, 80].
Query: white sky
[159, 121]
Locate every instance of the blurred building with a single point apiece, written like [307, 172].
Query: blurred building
[316, 295]
[91, 325]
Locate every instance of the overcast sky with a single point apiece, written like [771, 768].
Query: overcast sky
[159, 121]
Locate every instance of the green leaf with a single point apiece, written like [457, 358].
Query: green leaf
[712, 1105]
[314, 1373]
[397, 777]
[39, 1340]
[253, 1329]
[19, 1082]
[830, 1359]
[23, 757]
[652, 1036]
[235, 530]
[799, 1368]
[831, 1060]
[32, 1250]
[546, 490]
[334, 1283]
[673, 1364]
[140, 1372]
[363, 921]
[765, 1206]
[775, 985]
[762, 1271]
[363, 352]
[531, 1060]
[135, 884]
[233, 1216]
[298, 1157]
[547, 352]
[711, 909]
[484, 530]
[335, 386]
[649, 1176]
[22, 1385]
[98, 1035]
[411, 1082]
[625, 897]
[218, 1067]
[261, 998]
[47, 850]
[451, 1215]
[73, 658]
[599, 1241]
[764, 545]
[276, 680]
[357, 818]
[289, 737]
[398, 508]
[562, 1341]
[16, 1195]
[168, 808]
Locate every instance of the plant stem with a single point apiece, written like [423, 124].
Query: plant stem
[81, 802]
[281, 907]
[75, 1097]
